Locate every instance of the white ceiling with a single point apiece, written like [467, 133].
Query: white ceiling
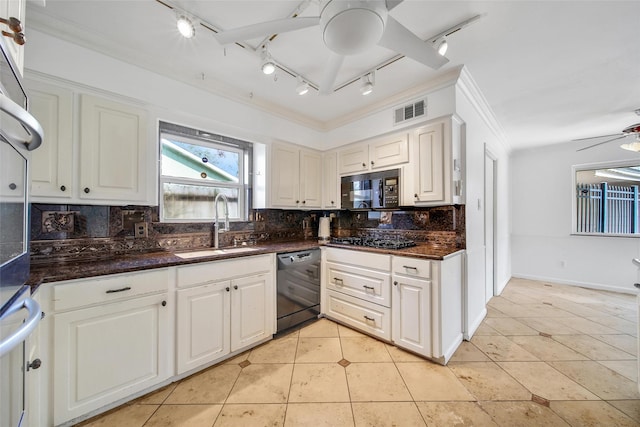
[552, 71]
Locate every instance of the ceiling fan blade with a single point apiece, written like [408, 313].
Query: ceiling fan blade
[595, 137]
[265, 28]
[601, 143]
[399, 39]
[393, 3]
[330, 73]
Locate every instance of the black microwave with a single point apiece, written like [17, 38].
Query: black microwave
[376, 190]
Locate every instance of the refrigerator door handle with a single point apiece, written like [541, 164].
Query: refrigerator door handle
[29, 122]
[35, 314]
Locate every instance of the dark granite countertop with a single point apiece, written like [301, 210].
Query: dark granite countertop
[58, 270]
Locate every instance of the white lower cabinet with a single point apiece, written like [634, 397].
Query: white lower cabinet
[411, 314]
[357, 290]
[113, 346]
[223, 307]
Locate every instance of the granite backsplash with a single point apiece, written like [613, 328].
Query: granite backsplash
[83, 232]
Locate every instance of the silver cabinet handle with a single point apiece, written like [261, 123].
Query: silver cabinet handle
[29, 122]
[368, 287]
[409, 268]
[33, 308]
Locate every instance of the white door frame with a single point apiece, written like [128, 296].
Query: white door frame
[490, 215]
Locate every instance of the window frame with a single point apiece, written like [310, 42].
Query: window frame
[574, 205]
[210, 140]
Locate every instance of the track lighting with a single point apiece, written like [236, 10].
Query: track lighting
[268, 66]
[302, 88]
[368, 81]
[441, 45]
[186, 27]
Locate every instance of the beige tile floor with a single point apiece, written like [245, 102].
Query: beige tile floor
[546, 355]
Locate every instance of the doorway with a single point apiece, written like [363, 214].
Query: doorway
[490, 223]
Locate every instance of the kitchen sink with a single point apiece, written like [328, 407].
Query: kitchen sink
[213, 252]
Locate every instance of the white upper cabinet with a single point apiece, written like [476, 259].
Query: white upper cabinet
[13, 9]
[331, 182]
[296, 177]
[113, 150]
[378, 153]
[52, 162]
[433, 176]
[101, 154]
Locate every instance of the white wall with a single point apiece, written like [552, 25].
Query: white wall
[482, 131]
[541, 211]
[171, 100]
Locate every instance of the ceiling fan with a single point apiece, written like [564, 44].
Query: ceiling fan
[626, 132]
[348, 28]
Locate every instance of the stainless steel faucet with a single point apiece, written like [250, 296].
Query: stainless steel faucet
[217, 230]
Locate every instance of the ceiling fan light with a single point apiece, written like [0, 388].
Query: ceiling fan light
[632, 146]
[442, 46]
[350, 27]
[185, 27]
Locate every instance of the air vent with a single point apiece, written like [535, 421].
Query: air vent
[411, 111]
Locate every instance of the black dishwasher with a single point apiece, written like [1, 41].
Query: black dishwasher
[298, 287]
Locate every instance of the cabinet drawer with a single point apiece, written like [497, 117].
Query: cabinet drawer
[198, 274]
[370, 285]
[370, 318]
[411, 267]
[104, 289]
[360, 258]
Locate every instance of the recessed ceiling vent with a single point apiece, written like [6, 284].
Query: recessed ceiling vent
[409, 112]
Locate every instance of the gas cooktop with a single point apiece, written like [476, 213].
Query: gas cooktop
[373, 242]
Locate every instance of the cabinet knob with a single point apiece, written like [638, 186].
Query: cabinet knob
[227, 289]
[297, 201]
[304, 201]
[364, 165]
[63, 188]
[395, 283]
[86, 190]
[372, 162]
[416, 195]
[12, 186]
[333, 203]
[34, 365]
[164, 303]
[235, 286]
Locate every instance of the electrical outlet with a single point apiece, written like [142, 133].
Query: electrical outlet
[141, 230]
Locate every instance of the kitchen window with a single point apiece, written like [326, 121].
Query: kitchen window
[606, 199]
[196, 166]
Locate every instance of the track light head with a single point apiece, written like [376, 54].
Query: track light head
[368, 81]
[268, 66]
[302, 88]
[442, 46]
[186, 27]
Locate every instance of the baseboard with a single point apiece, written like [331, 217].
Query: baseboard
[557, 281]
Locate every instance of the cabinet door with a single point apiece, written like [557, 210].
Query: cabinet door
[52, 163]
[353, 159]
[330, 187]
[113, 150]
[203, 329]
[412, 314]
[14, 9]
[108, 352]
[429, 175]
[252, 317]
[285, 175]
[388, 151]
[310, 179]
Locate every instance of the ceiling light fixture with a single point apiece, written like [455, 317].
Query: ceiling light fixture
[268, 66]
[302, 88]
[441, 46]
[632, 146]
[368, 81]
[186, 27]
